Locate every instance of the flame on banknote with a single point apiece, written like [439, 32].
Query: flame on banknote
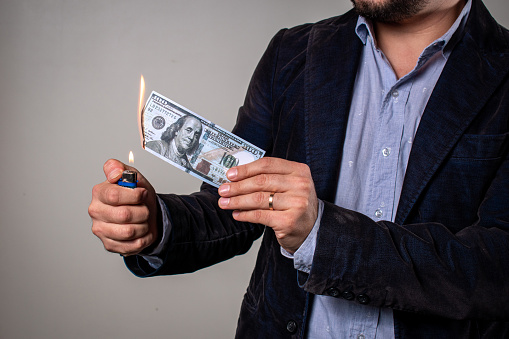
[140, 111]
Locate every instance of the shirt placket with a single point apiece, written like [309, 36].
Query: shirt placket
[391, 120]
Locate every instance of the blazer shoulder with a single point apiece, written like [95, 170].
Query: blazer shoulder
[294, 41]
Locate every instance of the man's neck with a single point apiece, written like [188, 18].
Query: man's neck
[403, 42]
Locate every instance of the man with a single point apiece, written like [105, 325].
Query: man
[396, 225]
[179, 140]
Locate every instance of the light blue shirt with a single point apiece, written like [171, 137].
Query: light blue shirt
[382, 123]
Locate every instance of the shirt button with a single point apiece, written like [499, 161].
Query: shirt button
[361, 336]
[395, 93]
[386, 151]
[379, 213]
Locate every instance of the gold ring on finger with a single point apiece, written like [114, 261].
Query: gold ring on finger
[271, 201]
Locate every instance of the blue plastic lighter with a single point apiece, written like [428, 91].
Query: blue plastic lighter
[128, 179]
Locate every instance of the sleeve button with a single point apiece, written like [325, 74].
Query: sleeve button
[363, 299]
[348, 295]
[333, 292]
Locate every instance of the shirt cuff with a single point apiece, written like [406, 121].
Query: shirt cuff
[154, 257]
[303, 257]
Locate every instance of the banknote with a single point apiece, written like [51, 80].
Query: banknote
[192, 143]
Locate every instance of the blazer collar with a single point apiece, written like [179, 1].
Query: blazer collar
[331, 65]
[475, 68]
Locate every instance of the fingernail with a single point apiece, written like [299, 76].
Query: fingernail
[232, 173]
[235, 214]
[223, 202]
[223, 189]
[114, 174]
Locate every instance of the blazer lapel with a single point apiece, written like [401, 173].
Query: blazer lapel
[331, 66]
[467, 81]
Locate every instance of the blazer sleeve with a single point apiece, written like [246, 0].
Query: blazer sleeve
[423, 267]
[202, 234]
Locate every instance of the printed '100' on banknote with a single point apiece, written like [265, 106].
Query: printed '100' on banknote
[191, 142]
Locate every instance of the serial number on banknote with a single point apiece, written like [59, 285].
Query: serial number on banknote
[192, 143]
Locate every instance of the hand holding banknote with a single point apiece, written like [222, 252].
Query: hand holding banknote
[274, 192]
[124, 219]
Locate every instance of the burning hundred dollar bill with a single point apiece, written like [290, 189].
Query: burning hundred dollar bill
[192, 143]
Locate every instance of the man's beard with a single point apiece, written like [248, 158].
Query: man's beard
[389, 11]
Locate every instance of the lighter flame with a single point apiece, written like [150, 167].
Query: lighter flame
[131, 157]
[140, 110]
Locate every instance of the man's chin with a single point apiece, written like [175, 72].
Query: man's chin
[389, 11]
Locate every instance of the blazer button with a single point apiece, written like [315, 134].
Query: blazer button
[333, 292]
[363, 299]
[348, 295]
[291, 326]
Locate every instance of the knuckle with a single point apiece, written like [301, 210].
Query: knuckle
[267, 163]
[305, 190]
[127, 232]
[262, 180]
[257, 215]
[301, 203]
[304, 170]
[259, 198]
[145, 213]
[304, 184]
[108, 246]
[140, 243]
[138, 196]
[113, 196]
[92, 211]
[124, 214]
[96, 190]
[96, 230]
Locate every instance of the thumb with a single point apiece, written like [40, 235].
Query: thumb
[113, 170]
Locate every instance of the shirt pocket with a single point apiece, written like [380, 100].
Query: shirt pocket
[480, 147]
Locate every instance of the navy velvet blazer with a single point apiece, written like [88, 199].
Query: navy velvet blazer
[443, 266]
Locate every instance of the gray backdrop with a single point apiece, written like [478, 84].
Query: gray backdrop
[69, 77]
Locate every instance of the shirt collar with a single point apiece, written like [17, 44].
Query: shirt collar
[364, 28]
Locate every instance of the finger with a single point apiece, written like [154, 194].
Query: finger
[264, 217]
[267, 166]
[124, 214]
[119, 232]
[114, 195]
[261, 201]
[298, 185]
[128, 247]
[113, 170]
